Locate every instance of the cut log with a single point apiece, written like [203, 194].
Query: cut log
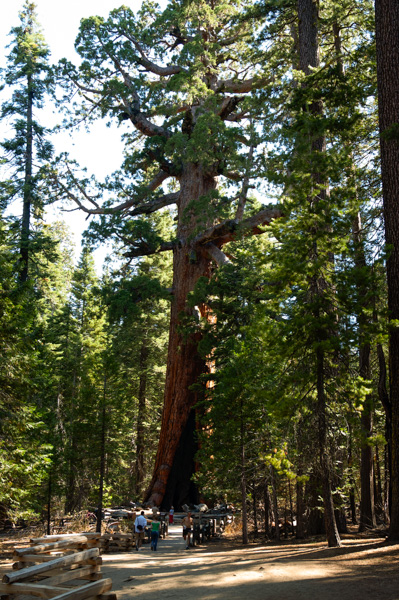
[32, 558]
[64, 536]
[95, 561]
[86, 591]
[35, 589]
[64, 561]
[71, 543]
[75, 574]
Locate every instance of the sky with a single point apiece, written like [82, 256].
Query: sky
[100, 150]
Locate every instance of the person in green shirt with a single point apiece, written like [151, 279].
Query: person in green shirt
[155, 526]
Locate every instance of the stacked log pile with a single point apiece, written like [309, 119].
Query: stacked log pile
[122, 542]
[59, 577]
[106, 542]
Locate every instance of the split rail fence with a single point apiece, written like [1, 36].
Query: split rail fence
[59, 570]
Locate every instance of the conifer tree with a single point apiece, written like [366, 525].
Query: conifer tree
[25, 435]
[81, 384]
[27, 74]
[183, 81]
[387, 31]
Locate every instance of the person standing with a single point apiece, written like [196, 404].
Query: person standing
[155, 525]
[139, 526]
[187, 529]
[171, 514]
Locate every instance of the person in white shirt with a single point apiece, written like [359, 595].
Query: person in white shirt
[139, 526]
[187, 529]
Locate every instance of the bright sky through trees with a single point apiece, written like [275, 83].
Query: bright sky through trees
[100, 151]
[60, 23]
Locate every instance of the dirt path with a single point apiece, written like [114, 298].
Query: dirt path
[361, 570]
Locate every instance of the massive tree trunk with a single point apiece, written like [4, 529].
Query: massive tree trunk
[387, 39]
[190, 262]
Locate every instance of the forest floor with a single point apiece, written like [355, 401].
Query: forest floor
[364, 568]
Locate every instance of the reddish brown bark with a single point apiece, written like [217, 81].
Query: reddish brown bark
[387, 43]
[190, 262]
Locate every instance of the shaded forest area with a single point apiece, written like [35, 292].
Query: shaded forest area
[242, 342]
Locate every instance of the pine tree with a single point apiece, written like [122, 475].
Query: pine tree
[25, 445]
[27, 73]
[387, 28]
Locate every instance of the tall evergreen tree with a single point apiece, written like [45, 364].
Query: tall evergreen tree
[183, 78]
[387, 36]
[27, 73]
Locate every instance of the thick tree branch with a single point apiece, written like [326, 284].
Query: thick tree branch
[236, 117]
[132, 109]
[228, 230]
[217, 254]
[140, 121]
[240, 87]
[149, 65]
[229, 104]
[157, 181]
[232, 40]
[146, 250]
[230, 175]
[154, 205]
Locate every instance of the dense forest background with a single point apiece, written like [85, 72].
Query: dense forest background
[265, 113]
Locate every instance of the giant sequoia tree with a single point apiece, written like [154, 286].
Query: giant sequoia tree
[184, 79]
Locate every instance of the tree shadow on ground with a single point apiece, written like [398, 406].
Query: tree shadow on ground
[362, 569]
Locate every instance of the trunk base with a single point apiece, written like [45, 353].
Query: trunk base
[180, 489]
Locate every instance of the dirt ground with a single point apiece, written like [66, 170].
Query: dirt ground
[364, 568]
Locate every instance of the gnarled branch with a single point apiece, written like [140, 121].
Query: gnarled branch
[137, 209]
[225, 232]
[149, 65]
